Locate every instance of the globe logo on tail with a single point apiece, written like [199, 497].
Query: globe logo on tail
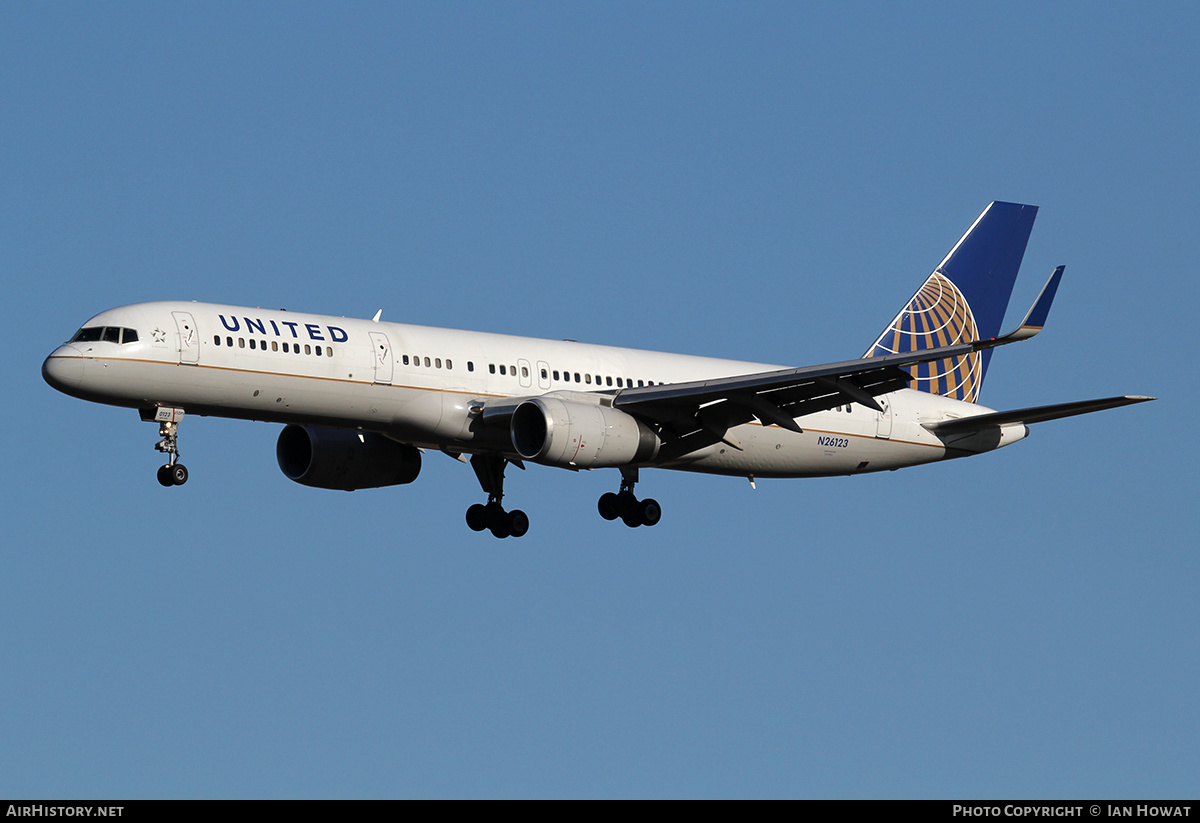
[937, 315]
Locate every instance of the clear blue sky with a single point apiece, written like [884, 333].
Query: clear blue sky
[757, 181]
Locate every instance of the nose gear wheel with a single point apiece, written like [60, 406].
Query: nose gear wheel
[173, 473]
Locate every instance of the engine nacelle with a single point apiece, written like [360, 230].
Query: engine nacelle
[579, 435]
[337, 459]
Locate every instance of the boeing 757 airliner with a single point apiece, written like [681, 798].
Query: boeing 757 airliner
[360, 399]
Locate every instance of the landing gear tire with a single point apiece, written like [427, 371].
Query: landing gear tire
[609, 506]
[477, 517]
[518, 523]
[650, 511]
[172, 474]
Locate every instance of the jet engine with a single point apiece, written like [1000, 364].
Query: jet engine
[579, 435]
[338, 459]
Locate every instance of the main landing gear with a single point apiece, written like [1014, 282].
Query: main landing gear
[625, 505]
[173, 473]
[492, 516]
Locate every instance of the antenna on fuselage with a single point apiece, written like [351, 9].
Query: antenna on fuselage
[378, 314]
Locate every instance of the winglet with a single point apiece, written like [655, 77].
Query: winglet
[1035, 320]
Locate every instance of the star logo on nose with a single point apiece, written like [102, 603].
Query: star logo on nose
[159, 335]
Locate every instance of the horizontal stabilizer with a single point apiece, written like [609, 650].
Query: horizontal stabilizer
[1037, 414]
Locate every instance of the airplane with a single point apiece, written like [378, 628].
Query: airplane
[361, 400]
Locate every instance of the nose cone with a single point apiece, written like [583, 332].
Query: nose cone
[63, 369]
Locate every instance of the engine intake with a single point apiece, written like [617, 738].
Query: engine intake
[571, 434]
[337, 459]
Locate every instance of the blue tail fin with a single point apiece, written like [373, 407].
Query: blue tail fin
[964, 299]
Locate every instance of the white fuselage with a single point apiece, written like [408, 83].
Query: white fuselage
[425, 386]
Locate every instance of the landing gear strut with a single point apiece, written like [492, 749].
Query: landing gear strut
[492, 516]
[173, 473]
[625, 505]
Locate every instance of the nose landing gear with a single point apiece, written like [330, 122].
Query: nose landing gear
[625, 505]
[173, 473]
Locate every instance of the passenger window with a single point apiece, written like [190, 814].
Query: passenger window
[274, 345]
[404, 359]
[587, 378]
[216, 339]
[229, 341]
[608, 381]
[112, 334]
[449, 365]
[286, 350]
[251, 342]
[329, 351]
[241, 342]
[577, 380]
[426, 362]
[524, 371]
[318, 352]
[512, 370]
[437, 362]
[492, 368]
[543, 374]
[502, 371]
[556, 374]
[618, 382]
[470, 365]
[307, 349]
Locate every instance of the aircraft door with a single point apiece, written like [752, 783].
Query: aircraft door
[883, 420]
[543, 369]
[524, 373]
[383, 357]
[189, 338]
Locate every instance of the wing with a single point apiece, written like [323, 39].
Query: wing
[701, 413]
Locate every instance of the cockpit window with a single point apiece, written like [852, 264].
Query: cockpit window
[109, 334]
[88, 335]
